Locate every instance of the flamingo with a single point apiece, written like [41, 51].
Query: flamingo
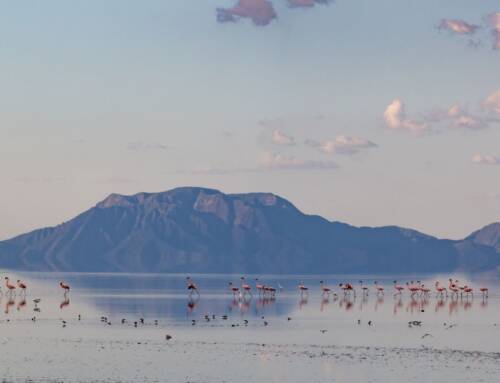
[414, 289]
[64, 286]
[453, 287]
[22, 286]
[425, 290]
[364, 289]
[398, 288]
[380, 289]
[347, 288]
[303, 289]
[441, 290]
[325, 290]
[259, 286]
[484, 291]
[245, 287]
[11, 288]
[191, 286]
[468, 291]
[271, 290]
[235, 290]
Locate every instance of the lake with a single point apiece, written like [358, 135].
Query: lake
[131, 314]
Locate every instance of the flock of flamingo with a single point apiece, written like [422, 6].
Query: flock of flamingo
[415, 289]
[22, 287]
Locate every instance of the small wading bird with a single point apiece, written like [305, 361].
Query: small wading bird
[453, 287]
[191, 286]
[484, 291]
[64, 286]
[11, 289]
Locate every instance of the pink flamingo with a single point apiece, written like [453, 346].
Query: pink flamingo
[364, 289]
[398, 288]
[259, 286]
[468, 291]
[191, 286]
[347, 288]
[484, 291]
[235, 290]
[22, 286]
[64, 286]
[453, 287]
[440, 290]
[425, 290]
[414, 289]
[11, 288]
[271, 290]
[380, 289]
[245, 287]
[325, 291]
[303, 289]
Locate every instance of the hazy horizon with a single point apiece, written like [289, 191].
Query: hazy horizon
[366, 112]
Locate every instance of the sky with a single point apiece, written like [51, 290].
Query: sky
[370, 112]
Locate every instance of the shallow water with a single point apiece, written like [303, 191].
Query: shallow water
[164, 297]
[286, 338]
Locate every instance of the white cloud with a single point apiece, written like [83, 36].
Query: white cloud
[461, 119]
[395, 118]
[275, 161]
[342, 145]
[492, 102]
[460, 27]
[280, 138]
[486, 159]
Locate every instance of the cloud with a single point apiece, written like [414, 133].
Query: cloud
[461, 119]
[492, 102]
[342, 145]
[280, 138]
[486, 159]
[459, 27]
[275, 161]
[306, 3]
[395, 118]
[138, 146]
[494, 21]
[261, 12]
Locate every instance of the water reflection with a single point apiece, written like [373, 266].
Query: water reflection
[175, 297]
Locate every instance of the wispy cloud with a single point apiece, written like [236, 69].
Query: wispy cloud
[307, 3]
[261, 12]
[486, 159]
[280, 138]
[395, 118]
[494, 20]
[342, 145]
[139, 145]
[275, 161]
[456, 26]
[461, 119]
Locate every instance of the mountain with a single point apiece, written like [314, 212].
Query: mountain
[204, 230]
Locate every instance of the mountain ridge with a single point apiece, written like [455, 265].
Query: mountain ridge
[194, 229]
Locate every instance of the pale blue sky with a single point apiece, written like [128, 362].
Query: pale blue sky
[126, 96]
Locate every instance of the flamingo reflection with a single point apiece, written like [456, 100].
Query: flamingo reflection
[64, 303]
